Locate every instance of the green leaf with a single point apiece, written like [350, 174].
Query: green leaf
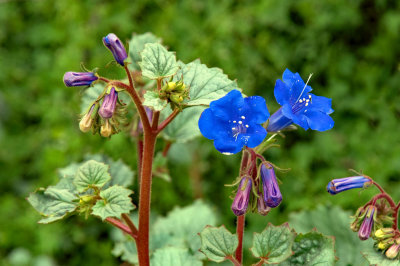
[136, 46]
[160, 167]
[312, 248]
[114, 201]
[375, 258]
[181, 225]
[274, 244]
[53, 203]
[126, 250]
[218, 243]
[173, 256]
[121, 174]
[205, 84]
[91, 174]
[152, 100]
[157, 62]
[185, 126]
[333, 221]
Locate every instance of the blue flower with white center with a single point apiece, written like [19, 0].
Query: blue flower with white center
[233, 122]
[299, 106]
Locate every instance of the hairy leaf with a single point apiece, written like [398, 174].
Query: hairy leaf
[375, 258]
[91, 174]
[152, 100]
[136, 46]
[173, 256]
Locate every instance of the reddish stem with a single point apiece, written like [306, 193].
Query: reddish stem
[156, 117]
[168, 120]
[166, 148]
[239, 232]
[117, 223]
[130, 224]
[139, 149]
[233, 260]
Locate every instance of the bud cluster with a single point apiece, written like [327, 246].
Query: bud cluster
[174, 92]
[266, 196]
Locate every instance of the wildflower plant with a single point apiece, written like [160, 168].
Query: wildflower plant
[162, 98]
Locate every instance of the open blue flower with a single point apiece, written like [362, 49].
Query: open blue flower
[233, 122]
[299, 106]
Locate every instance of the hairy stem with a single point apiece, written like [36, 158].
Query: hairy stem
[240, 232]
[117, 223]
[168, 120]
[130, 224]
[234, 261]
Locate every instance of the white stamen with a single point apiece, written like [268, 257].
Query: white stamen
[243, 117]
[307, 100]
[233, 128]
[309, 96]
[306, 104]
[300, 101]
[234, 121]
[247, 125]
[240, 122]
[305, 86]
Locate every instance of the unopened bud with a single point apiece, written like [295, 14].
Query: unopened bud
[74, 79]
[87, 120]
[170, 86]
[262, 208]
[366, 226]
[114, 44]
[108, 106]
[393, 251]
[272, 194]
[384, 233]
[106, 129]
[176, 98]
[241, 201]
[342, 184]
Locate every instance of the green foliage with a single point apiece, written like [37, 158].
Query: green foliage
[157, 62]
[172, 256]
[274, 244]
[91, 174]
[114, 201]
[375, 258]
[136, 46]
[217, 243]
[152, 100]
[312, 248]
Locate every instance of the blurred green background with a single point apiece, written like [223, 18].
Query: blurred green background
[351, 46]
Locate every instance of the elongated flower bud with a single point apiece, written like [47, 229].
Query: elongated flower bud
[342, 184]
[108, 106]
[366, 226]
[74, 79]
[241, 201]
[262, 208]
[106, 129]
[393, 251]
[272, 194]
[383, 233]
[87, 120]
[114, 44]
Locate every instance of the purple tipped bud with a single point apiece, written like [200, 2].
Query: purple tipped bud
[272, 194]
[74, 79]
[342, 184]
[366, 226]
[241, 201]
[262, 208]
[113, 43]
[393, 251]
[108, 106]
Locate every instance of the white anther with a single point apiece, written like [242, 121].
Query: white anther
[300, 101]
[306, 104]
[234, 121]
[233, 128]
[309, 96]
[247, 125]
[243, 117]
[240, 122]
[307, 100]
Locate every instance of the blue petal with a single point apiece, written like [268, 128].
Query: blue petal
[319, 121]
[254, 135]
[228, 145]
[299, 89]
[228, 106]
[211, 126]
[320, 103]
[278, 121]
[299, 119]
[281, 92]
[288, 77]
[255, 109]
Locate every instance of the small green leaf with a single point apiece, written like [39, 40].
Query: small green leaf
[152, 100]
[114, 201]
[218, 243]
[136, 46]
[90, 95]
[312, 248]
[127, 251]
[91, 174]
[157, 62]
[173, 256]
[185, 126]
[53, 203]
[375, 258]
[274, 244]
[205, 84]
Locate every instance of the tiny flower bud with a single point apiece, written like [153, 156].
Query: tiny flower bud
[108, 106]
[73, 79]
[170, 86]
[272, 194]
[366, 226]
[358, 217]
[106, 129]
[113, 43]
[263, 209]
[342, 184]
[87, 120]
[241, 201]
[384, 233]
[180, 86]
[176, 98]
[393, 251]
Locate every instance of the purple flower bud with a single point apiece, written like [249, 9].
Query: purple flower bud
[342, 184]
[108, 106]
[113, 43]
[73, 79]
[272, 194]
[366, 226]
[263, 209]
[241, 201]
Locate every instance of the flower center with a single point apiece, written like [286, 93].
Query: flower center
[301, 104]
[239, 126]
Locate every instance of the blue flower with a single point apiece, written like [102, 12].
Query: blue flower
[299, 106]
[343, 184]
[233, 122]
